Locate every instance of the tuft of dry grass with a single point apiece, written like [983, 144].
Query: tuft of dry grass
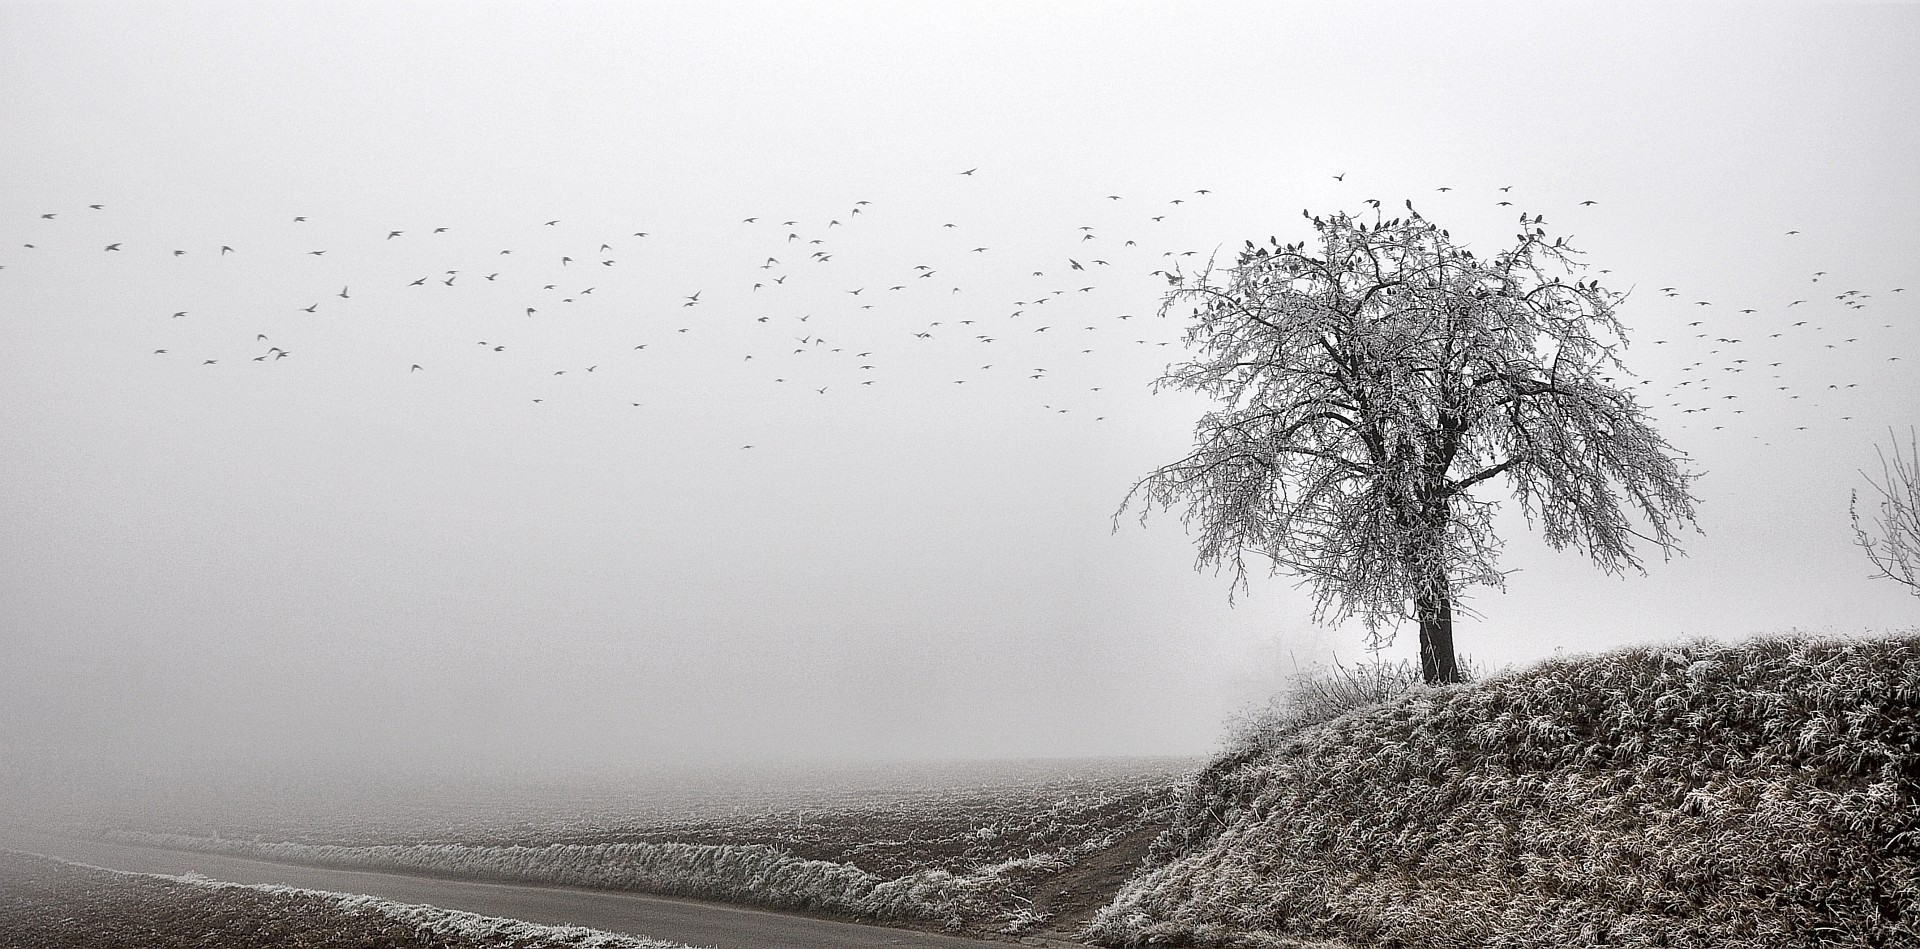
[1764, 794]
[1322, 693]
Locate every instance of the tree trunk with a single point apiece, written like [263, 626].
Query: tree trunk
[1437, 665]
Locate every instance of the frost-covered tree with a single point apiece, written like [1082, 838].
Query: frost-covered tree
[1896, 549]
[1368, 384]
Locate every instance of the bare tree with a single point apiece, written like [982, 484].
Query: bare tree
[1368, 385]
[1896, 551]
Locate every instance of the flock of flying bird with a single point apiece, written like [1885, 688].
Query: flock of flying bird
[797, 314]
[816, 310]
[1763, 342]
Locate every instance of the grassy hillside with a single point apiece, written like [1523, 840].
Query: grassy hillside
[1761, 794]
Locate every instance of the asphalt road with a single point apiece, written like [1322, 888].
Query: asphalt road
[687, 921]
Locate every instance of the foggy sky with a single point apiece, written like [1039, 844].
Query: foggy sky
[333, 560]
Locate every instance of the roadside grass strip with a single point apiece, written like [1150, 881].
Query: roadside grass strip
[57, 903]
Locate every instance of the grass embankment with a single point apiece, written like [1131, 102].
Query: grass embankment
[52, 904]
[1761, 794]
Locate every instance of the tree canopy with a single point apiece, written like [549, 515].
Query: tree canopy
[1368, 383]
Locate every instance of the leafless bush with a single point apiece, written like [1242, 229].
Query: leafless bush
[1896, 548]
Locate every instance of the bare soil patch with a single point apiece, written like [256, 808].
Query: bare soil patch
[1069, 899]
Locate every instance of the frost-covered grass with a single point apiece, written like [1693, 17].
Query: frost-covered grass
[53, 904]
[1762, 794]
[947, 856]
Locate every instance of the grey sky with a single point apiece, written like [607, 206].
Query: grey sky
[334, 557]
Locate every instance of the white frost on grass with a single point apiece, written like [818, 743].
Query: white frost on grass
[1697, 794]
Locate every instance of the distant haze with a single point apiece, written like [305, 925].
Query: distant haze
[330, 562]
